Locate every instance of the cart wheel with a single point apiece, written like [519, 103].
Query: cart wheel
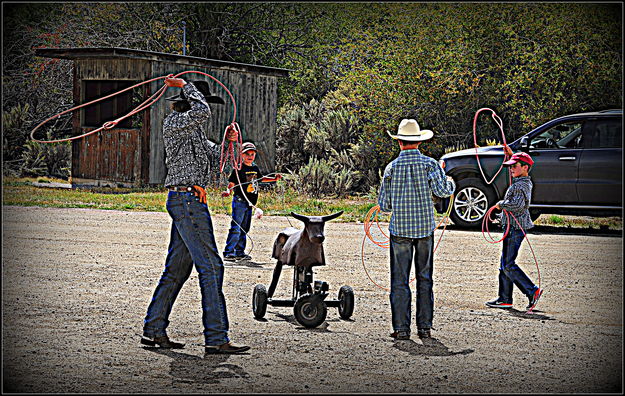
[346, 302]
[259, 301]
[309, 311]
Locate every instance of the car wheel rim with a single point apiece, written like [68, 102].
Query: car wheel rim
[471, 204]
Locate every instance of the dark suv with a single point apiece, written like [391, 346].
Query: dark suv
[577, 170]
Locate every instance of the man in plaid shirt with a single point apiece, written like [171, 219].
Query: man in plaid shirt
[188, 154]
[406, 190]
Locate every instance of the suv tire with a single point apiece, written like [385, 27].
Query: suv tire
[472, 200]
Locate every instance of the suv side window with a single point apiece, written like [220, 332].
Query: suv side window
[561, 136]
[607, 134]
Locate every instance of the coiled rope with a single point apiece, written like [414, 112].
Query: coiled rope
[372, 217]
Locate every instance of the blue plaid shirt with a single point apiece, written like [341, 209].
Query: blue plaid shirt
[406, 190]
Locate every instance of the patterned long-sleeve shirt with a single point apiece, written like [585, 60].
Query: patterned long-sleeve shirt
[189, 155]
[406, 190]
[517, 202]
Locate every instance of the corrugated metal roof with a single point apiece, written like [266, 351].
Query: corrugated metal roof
[115, 52]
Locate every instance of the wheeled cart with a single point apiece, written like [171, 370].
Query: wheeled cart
[309, 301]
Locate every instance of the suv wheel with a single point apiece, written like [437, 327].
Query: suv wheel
[471, 202]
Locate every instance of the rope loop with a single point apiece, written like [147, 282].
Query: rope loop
[506, 148]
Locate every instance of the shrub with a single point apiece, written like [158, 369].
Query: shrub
[14, 135]
[40, 159]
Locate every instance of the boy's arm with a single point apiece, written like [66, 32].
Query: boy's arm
[266, 179]
[513, 201]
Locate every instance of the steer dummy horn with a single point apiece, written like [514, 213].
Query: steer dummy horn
[306, 219]
[332, 216]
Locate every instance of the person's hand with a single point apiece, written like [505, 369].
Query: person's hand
[232, 134]
[497, 206]
[175, 82]
[225, 193]
[258, 213]
[507, 150]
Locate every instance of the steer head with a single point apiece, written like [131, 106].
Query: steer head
[313, 225]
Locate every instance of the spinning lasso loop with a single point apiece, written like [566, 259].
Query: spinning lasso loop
[147, 103]
[372, 216]
[506, 149]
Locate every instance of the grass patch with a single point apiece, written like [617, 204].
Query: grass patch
[21, 192]
[277, 202]
[556, 219]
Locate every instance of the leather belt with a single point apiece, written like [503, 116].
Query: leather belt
[181, 188]
[196, 190]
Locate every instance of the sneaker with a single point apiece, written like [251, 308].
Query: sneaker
[534, 299]
[424, 333]
[161, 342]
[230, 258]
[401, 335]
[498, 304]
[227, 347]
[244, 257]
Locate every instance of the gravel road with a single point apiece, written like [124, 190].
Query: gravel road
[76, 284]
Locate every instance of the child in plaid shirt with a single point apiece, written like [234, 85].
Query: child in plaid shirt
[517, 202]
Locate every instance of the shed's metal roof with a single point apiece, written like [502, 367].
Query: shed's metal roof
[115, 52]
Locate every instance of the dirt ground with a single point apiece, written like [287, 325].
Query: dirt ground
[76, 284]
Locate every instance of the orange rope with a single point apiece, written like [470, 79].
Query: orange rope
[385, 243]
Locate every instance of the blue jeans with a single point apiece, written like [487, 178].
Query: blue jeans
[509, 273]
[192, 241]
[402, 252]
[239, 227]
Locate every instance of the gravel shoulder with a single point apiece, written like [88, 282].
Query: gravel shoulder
[76, 284]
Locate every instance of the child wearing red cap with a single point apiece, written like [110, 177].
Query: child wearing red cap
[516, 202]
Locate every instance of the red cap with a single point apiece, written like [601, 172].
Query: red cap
[520, 157]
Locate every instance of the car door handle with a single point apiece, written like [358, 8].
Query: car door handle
[566, 158]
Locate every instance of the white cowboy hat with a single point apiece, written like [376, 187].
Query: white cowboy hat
[409, 131]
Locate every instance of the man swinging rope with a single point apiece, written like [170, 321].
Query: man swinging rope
[192, 240]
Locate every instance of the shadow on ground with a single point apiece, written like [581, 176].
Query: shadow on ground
[428, 347]
[194, 369]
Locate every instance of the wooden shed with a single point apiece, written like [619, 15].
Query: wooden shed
[132, 154]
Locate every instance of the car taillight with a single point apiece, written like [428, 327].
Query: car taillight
[441, 163]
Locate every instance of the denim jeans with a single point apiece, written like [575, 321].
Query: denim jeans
[192, 241]
[509, 273]
[402, 252]
[239, 227]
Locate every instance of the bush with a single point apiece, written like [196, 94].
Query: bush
[42, 159]
[321, 177]
[318, 144]
[14, 132]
